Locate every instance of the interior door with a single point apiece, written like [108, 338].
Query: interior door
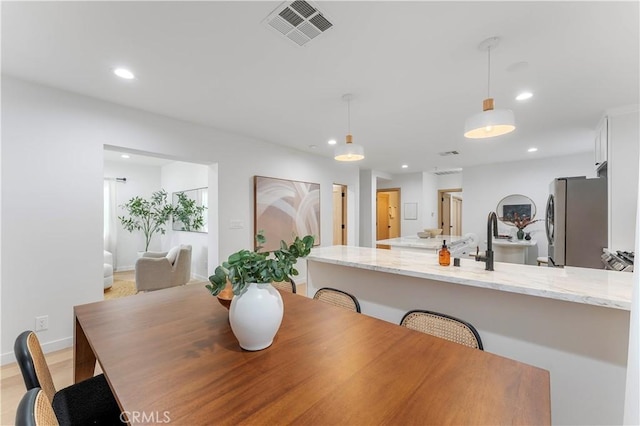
[394, 214]
[456, 215]
[339, 215]
[446, 214]
[382, 214]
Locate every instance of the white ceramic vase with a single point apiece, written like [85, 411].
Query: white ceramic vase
[255, 316]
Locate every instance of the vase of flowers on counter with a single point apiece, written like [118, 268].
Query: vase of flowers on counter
[521, 223]
[256, 309]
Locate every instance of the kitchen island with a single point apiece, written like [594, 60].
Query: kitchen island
[515, 251]
[573, 322]
[506, 250]
[414, 243]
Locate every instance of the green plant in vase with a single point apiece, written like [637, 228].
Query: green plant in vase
[245, 266]
[256, 309]
[521, 223]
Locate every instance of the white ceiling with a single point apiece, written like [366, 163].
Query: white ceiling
[414, 69]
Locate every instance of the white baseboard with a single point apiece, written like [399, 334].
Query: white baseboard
[56, 345]
[124, 269]
[199, 277]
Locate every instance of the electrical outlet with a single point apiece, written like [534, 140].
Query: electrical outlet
[42, 323]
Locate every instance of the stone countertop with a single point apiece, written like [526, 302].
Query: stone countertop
[599, 287]
[421, 243]
[513, 243]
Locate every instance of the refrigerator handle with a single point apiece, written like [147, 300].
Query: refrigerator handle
[548, 215]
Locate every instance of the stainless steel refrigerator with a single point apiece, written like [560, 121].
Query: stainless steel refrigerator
[576, 222]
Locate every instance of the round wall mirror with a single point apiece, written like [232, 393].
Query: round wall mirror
[515, 206]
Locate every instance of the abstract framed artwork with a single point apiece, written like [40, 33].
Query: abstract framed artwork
[509, 211]
[284, 209]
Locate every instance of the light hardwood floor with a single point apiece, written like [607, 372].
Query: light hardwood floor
[125, 275]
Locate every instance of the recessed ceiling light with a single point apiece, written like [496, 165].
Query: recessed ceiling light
[125, 156]
[532, 149]
[124, 73]
[405, 166]
[332, 142]
[523, 96]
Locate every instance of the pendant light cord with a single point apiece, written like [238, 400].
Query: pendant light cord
[349, 116]
[489, 72]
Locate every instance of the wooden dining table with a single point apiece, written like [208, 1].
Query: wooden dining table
[170, 357]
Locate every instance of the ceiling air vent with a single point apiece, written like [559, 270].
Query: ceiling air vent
[299, 21]
[446, 153]
[447, 171]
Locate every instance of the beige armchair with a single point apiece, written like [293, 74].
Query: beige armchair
[158, 270]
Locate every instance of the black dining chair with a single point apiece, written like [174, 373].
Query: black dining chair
[35, 409]
[443, 326]
[89, 402]
[338, 298]
[288, 286]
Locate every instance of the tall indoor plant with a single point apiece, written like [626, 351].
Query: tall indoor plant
[148, 216]
[256, 309]
[188, 213]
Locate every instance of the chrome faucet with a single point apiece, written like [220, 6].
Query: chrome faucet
[492, 221]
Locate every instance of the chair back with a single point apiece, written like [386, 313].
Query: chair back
[159, 270]
[338, 298]
[443, 326]
[288, 286]
[33, 364]
[35, 409]
[182, 266]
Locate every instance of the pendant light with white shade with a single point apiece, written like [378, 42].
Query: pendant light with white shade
[349, 151]
[490, 122]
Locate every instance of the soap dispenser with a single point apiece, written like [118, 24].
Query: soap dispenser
[444, 256]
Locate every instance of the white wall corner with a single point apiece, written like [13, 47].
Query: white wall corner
[632, 392]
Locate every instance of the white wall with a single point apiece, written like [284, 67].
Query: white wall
[623, 157]
[52, 212]
[632, 392]
[410, 192]
[430, 186]
[450, 181]
[181, 176]
[367, 209]
[484, 186]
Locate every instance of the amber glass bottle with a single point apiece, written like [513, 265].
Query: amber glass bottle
[444, 257]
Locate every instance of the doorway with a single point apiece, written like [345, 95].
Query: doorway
[387, 214]
[450, 211]
[456, 215]
[339, 215]
[145, 174]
